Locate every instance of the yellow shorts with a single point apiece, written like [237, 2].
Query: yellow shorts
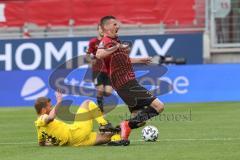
[81, 129]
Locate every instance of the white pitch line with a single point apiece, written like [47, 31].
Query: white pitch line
[160, 140]
[192, 139]
[17, 143]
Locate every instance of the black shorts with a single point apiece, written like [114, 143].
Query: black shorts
[135, 96]
[101, 78]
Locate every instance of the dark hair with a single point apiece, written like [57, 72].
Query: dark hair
[41, 103]
[105, 19]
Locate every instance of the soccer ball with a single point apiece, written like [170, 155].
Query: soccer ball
[150, 133]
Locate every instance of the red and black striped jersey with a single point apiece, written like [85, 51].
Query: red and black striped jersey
[98, 64]
[118, 64]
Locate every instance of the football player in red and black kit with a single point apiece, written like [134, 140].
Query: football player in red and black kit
[140, 101]
[99, 71]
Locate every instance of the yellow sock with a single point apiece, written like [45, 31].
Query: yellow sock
[116, 137]
[97, 114]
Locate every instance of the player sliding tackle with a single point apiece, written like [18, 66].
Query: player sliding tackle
[142, 104]
[55, 132]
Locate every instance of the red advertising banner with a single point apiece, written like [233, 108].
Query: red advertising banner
[88, 12]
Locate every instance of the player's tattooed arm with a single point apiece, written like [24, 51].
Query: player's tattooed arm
[53, 112]
[146, 60]
[105, 52]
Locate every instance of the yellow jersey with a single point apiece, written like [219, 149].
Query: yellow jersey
[53, 133]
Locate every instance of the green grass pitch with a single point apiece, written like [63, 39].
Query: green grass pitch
[204, 131]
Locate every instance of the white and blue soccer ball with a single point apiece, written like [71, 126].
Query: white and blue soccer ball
[150, 134]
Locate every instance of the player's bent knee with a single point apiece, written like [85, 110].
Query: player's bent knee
[161, 108]
[85, 104]
[158, 105]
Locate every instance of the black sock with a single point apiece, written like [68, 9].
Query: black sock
[100, 103]
[142, 116]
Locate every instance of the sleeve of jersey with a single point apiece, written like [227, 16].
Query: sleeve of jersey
[91, 47]
[41, 121]
[105, 43]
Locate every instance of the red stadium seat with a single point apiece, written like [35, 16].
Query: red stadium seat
[88, 12]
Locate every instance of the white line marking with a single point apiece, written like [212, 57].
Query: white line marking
[139, 140]
[17, 143]
[192, 139]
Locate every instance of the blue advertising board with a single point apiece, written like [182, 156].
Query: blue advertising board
[190, 83]
[48, 53]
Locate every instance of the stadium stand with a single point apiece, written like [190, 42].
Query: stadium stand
[58, 12]
[79, 18]
[68, 18]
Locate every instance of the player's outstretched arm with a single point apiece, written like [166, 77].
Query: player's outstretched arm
[103, 53]
[53, 112]
[146, 60]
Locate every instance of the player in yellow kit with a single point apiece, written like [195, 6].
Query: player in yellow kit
[56, 132]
